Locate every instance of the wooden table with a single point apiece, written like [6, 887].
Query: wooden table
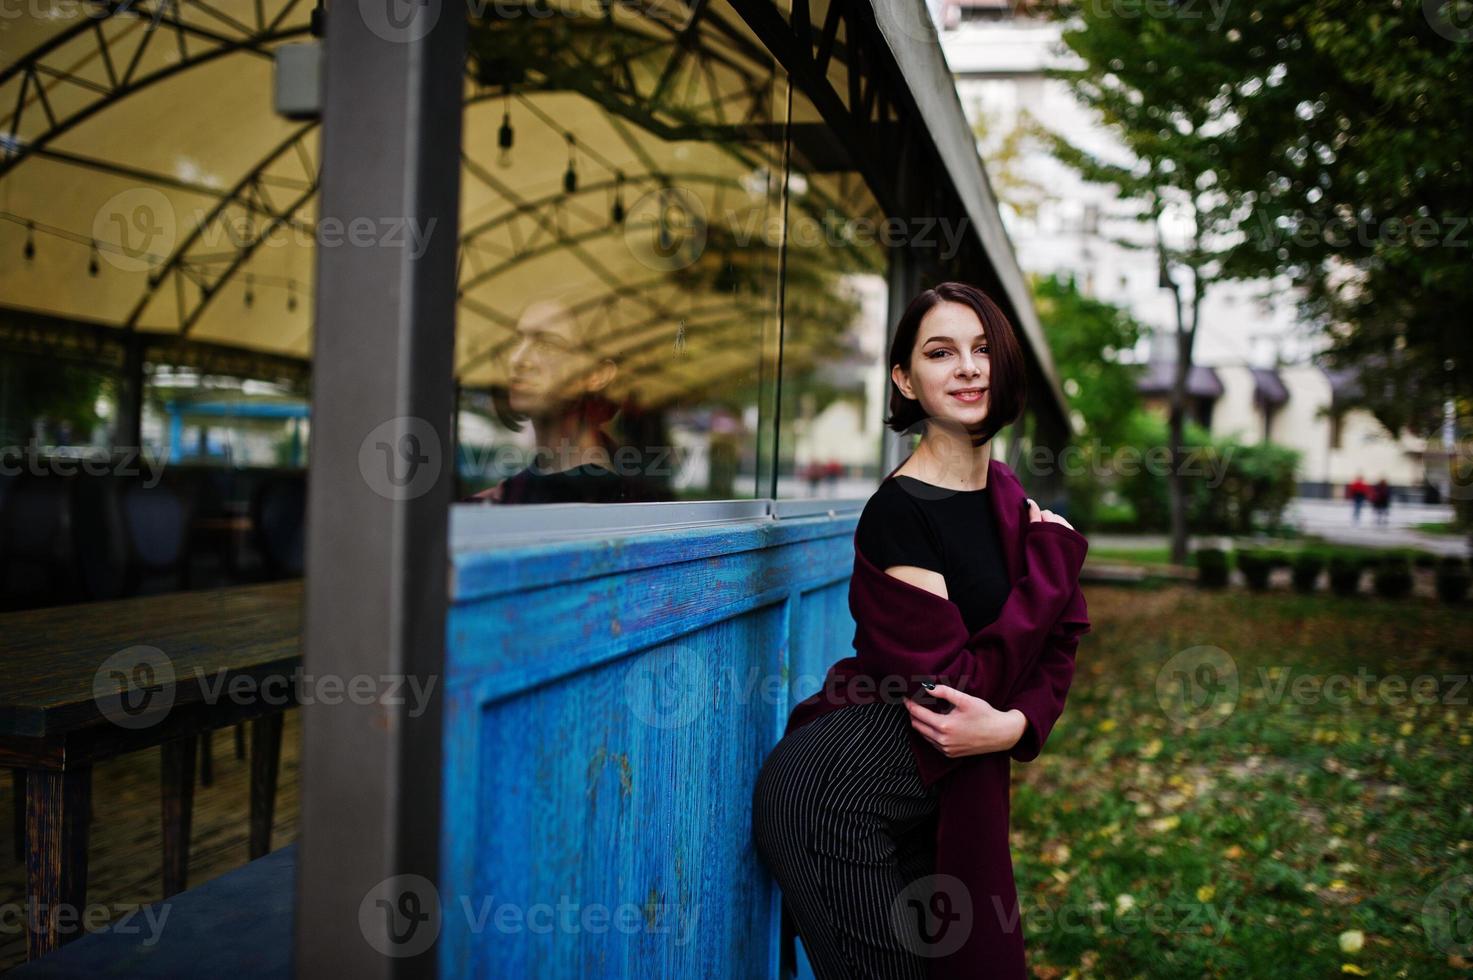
[83, 683]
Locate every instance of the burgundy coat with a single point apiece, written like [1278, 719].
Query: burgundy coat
[1024, 659]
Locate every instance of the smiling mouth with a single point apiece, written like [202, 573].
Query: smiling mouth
[969, 394]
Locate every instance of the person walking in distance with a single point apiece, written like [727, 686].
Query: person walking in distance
[1356, 491]
[1381, 501]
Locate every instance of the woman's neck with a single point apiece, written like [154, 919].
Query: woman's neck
[946, 461]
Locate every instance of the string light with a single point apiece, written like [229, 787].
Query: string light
[92, 264]
[505, 136]
[291, 295]
[570, 176]
[619, 198]
[30, 250]
[250, 294]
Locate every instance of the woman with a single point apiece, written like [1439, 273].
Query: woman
[884, 818]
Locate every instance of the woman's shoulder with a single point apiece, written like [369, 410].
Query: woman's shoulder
[890, 499]
[893, 529]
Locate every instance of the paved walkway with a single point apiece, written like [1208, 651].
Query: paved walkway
[1331, 520]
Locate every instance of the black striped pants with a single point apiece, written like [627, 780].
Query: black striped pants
[842, 820]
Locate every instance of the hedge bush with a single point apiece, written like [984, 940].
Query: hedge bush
[1255, 566]
[1345, 573]
[1306, 567]
[1212, 567]
[1453, 579]
[1393, 578]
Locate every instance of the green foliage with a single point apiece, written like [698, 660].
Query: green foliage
[1212, 567]
[1307, 566]
[58, 394]
[1452, 579]
[1345, 575]
[1084, 336]
[1393, 577]
[1328, 142]
[1354, 159]
[1255, 566]
[1258, 482]
[1231, 488]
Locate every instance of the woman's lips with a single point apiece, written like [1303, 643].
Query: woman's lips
[969, 396]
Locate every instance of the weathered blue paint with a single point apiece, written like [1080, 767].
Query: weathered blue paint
[608, 706]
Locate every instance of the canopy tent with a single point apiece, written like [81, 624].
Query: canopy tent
[148, 187]
[158, 208]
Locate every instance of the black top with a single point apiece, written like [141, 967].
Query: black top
[909, 522]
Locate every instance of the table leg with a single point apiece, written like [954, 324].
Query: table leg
[206, 759]
[178, 794]
[57, 804]
[265, 764]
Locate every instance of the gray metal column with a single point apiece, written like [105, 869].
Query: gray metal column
[379, 489]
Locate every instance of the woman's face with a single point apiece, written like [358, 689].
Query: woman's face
[950, 369]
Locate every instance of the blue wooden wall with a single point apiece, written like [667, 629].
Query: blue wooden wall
[607, 706]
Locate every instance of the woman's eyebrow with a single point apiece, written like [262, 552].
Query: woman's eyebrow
[980, 336]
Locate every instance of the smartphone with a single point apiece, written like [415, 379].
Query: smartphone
[926, 699]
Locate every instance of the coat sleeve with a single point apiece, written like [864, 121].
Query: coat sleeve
[1041, 694]
[909, 633]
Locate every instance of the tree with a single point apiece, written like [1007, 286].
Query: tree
[1149, 84]
[1350, 143]
[1085, 335]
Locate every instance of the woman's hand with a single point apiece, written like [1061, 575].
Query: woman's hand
[972, 727]
[1034, 514]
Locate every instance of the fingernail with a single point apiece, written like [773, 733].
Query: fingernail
[928, 685]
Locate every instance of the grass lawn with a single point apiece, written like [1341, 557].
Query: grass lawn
[1139, 556]
[1246, 845]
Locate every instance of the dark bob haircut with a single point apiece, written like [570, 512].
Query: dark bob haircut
[1008, 380]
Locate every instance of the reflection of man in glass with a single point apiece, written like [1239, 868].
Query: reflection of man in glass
[558, 378]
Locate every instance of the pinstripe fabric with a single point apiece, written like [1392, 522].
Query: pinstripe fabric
[842, 820]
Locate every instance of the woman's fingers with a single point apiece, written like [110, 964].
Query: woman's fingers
[920, 719]
[1033, 511]
[1049, 515]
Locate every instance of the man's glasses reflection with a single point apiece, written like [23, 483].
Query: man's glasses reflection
[559, 377]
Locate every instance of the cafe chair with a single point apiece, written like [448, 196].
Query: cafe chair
[37, 565]
[278, 518]
[155, 522]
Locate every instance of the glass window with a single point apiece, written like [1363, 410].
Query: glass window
[835, 389]
[619, 257]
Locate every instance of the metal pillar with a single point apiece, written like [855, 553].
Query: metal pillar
[379, 492]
